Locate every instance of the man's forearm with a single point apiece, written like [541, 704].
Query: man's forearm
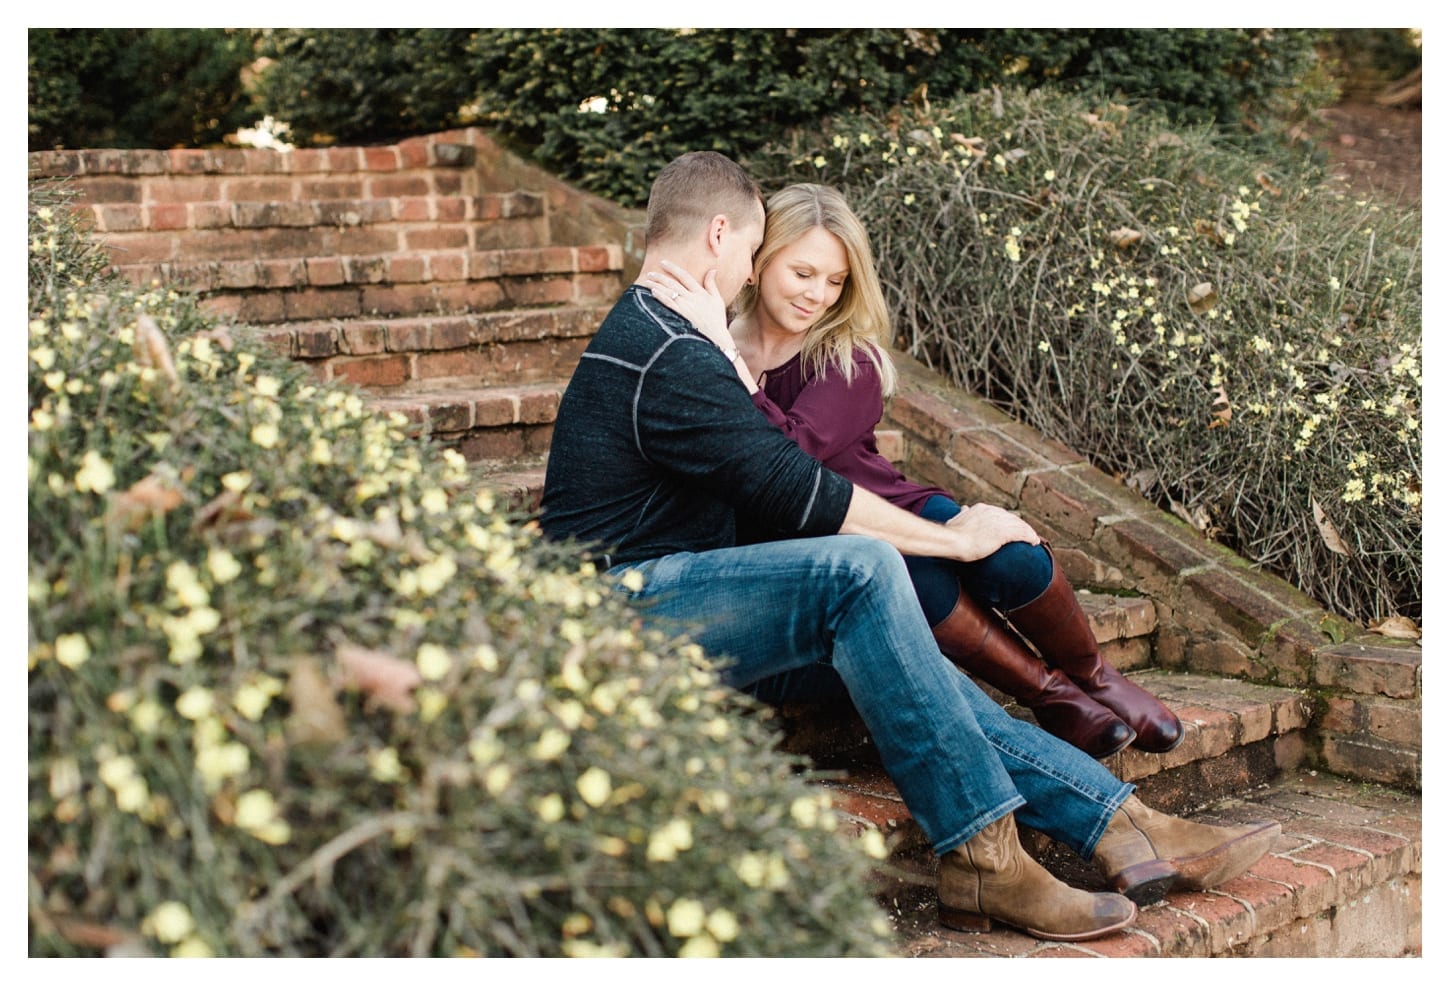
[980, 536]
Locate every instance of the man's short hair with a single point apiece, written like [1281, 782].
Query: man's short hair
[694, 187]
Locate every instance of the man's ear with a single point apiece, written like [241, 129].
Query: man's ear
[715, 233]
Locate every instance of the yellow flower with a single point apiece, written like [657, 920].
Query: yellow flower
[549, 808]
[218, 762]
[255, 808]
[497, 779]
[72, 650]
[268, 386]
[874, 844]
[700, 947]
[594, 787]
[722, 925]
[170, 922]
[485, 657]
[385, 765]
[95, 475]
[551, 744]
[264, 435]
[237, 481]
[192, 948]
[195, 702]
[685, 918]
[669, 841]
[806, 811]
[222, 565]
[433, 662]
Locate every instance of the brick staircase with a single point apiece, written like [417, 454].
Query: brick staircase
[458, 286]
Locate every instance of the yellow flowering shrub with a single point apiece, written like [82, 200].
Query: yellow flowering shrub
[1217, 325]
[291, 703]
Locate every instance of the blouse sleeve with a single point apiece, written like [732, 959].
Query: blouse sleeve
[830, 415]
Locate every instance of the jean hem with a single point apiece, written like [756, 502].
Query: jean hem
[981, 821]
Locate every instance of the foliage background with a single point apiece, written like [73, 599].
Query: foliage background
[1234, 338]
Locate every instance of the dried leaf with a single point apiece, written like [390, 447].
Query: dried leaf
[150, 496]
[1166, 139]
[976, 145]
[1399, 627]
[1209, 229]
[225, 508]
[1202, 297]
[218, 335]
[386, 680]
[1198, 516]
[151, 349]
[1124, 237]
[316, 716]
[1267, 184]
[1221, 410]
[1328, 531]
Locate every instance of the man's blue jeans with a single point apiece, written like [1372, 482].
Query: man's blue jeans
[796, 620]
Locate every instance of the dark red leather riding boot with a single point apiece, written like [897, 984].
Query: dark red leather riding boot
[974, 641]
[1055, 624]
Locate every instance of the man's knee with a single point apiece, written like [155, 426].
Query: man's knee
[867, 559]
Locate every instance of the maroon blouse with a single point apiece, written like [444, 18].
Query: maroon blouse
[835, 422]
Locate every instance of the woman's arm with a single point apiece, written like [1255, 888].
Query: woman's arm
[975, 533]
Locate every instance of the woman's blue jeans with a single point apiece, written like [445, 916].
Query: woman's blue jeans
[797, 620]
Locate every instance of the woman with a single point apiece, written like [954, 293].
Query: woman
[812, 329]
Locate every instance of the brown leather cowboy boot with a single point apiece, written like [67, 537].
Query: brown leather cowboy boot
[991, 876]
[976, 643]
[1058, 628]
[1145, 853]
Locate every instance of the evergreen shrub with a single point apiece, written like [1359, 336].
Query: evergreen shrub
[1225, 332]
[296, 686]
[137, 87]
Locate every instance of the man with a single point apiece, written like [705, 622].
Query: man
[657, 445]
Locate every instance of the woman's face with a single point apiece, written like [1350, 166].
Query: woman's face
[803, 281]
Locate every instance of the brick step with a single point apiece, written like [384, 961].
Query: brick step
[1236, 735]
[327, 259]
[425, 217]
[498, 427]
[481, 348]
[1343, 880]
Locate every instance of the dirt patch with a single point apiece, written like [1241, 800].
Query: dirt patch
[1376, 148]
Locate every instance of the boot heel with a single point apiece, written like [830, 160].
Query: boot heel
[956, 919]
[1146, 883]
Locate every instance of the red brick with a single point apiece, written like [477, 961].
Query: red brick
[210, 215]
[1220, 594]
[395, 186]
[314, 341]
[448, 267]
[550, 291]
[450, 210]
[324, 271]
[264, 308]
[380, 158]
[142, 248]
[413, 153]
[260, 190]
[329, 189]
[307, 159]
[344, 159]
[322, 303]
[367, 270]
[446, 183]
[1350, 870]
[437, 238]
[1370, 669]
[236, 274]
[413, 208]
[174, 189]
[1053, 497]
[365, 242]
[119, 218]
[362, 339]
[109, 190]
[168, 215]
[994, 459]
[282, 273]
[372, 371]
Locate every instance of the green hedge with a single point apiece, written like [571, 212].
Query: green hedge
[1229, 335]
[136, 87]
[649, 94]
[296, 687]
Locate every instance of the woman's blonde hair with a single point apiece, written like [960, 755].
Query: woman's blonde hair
[859, 317]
